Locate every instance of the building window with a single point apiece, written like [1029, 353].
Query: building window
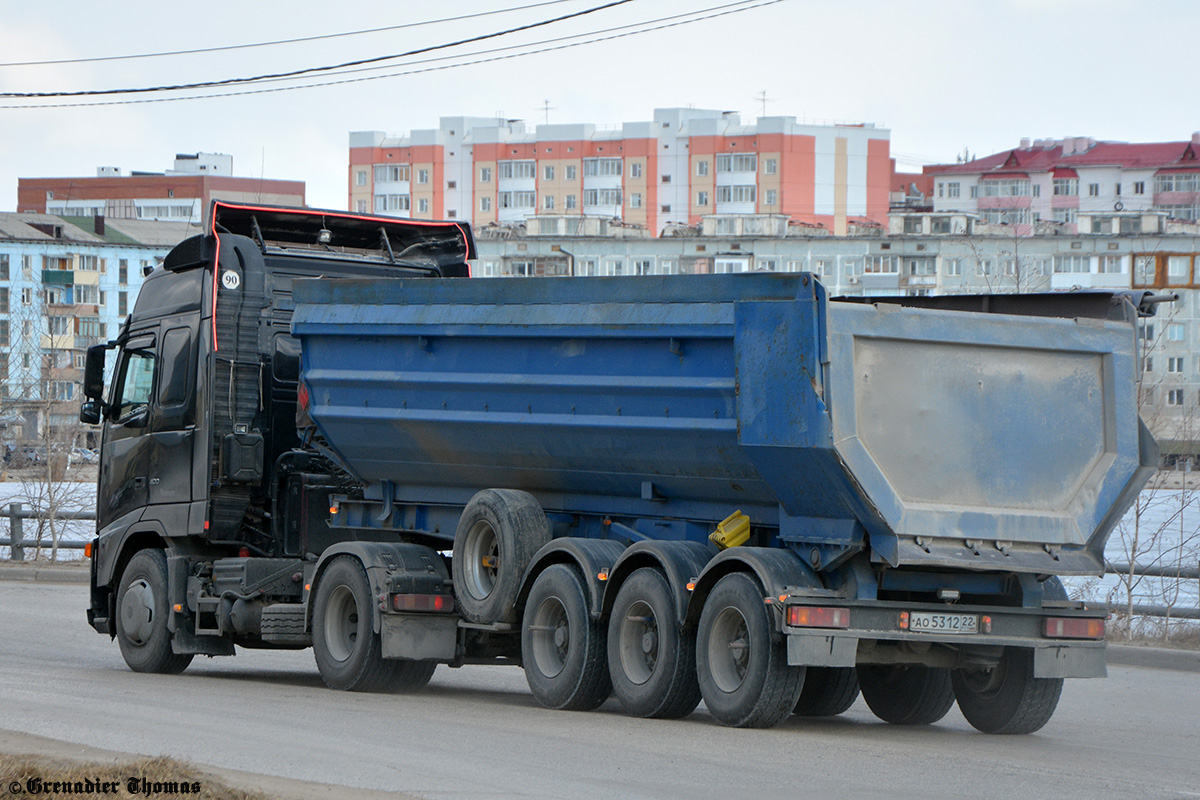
[983, 267]
[939, 225]
[1177, 182]
[1066, 186]
[1064, 264]
[570, 172]
[1176, 331]
[122, 303]
[548, 202]
[635, 200]
[4, 267]
[922, 266]
[123, 271]
[635, 170]
[1178, 269]
[912, 224]
[392, 202]
[360, 178]
[602, 167]
[517, 169]
[548, 172]
[737, 162]
[571, 202]
[953, 267]
[1112, 265]
[1139, 187]
[602, 197]
[771, 197]
[451, 184]
[485, 204]
[701, 198]
[952, 189]
[1093, 190]
[1148, 364]
[515, 199]
[361, 206]
[882, 265]
[485, 174]
[422, 176]
[3, 299]
[770, 166]
[423, 205]
[26, 296]
[737, 194]
[701, 168]
[666, 209]
[1175, 397]
[1006, 187]
[392, 173]
[1147, 331]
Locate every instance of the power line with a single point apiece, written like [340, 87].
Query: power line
[327, 68]
[524, 45]
[742, 7]
[274, 42]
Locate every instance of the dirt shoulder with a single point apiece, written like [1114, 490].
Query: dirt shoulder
[24, 754]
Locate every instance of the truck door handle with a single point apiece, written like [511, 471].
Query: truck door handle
[139, 483]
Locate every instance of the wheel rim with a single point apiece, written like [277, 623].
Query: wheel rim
[639, 642]
[137, 612]
[482, 554]
[985, 683]
[729, 649]
[550, 636]
[341, 623]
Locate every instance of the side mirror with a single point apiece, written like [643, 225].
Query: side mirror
[89, 412]
[93, 372]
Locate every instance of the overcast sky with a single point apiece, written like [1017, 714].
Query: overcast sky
[941, 75]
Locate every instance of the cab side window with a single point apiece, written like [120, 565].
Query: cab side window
[136, 384]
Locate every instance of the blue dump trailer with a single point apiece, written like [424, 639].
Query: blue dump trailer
[728, 488]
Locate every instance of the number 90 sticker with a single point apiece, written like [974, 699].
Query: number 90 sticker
[230, 279]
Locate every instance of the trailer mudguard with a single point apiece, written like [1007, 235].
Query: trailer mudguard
[589, 556]
[680, 561]
[776, 570]
[384, 562]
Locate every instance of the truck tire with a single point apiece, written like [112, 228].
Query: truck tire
[497, 536]
[742, 668]
[651, 661]
[906, 695]
[828, 691]
[142, 609]
[562, 647]
[345, 644]
[1006, 699]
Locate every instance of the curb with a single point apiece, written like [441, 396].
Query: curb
[46, 574]
[1156, 657]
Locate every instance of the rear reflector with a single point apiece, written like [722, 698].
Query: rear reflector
[812, 617]
[422, 602]
[1074, 628]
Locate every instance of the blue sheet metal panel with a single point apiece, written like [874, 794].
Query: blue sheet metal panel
[1008, 432]
[579, 397]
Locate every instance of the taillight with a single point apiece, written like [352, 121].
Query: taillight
[1074, 628]
[422, 602]
[818, 617]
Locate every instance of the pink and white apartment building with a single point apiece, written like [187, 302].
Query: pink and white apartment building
[1058, 179]
[683, 165]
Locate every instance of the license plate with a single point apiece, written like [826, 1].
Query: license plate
[935, 622]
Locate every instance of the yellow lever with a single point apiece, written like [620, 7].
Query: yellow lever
[732, 531]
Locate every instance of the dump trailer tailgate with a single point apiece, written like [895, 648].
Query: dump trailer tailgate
[986, 441]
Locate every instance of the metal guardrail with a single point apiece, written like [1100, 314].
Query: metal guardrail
[17, 514]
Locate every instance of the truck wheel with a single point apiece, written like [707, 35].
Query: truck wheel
[411, 676]
[497, 536]
[345, 645]
[562, 647]
[651, 661]
[1007, 698]
[744, 676]
[906, 695]
[142, 616]
[828, 691]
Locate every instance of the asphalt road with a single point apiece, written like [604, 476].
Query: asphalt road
[477, 733]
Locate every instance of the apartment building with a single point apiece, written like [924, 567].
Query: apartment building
[180, 194]
[65, 284]
[1060, 179]
[675, 169]
[942, 253]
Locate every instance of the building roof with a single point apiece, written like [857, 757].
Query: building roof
[29, 227]
[1051, 155]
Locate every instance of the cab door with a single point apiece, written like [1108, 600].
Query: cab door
[124, 473]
